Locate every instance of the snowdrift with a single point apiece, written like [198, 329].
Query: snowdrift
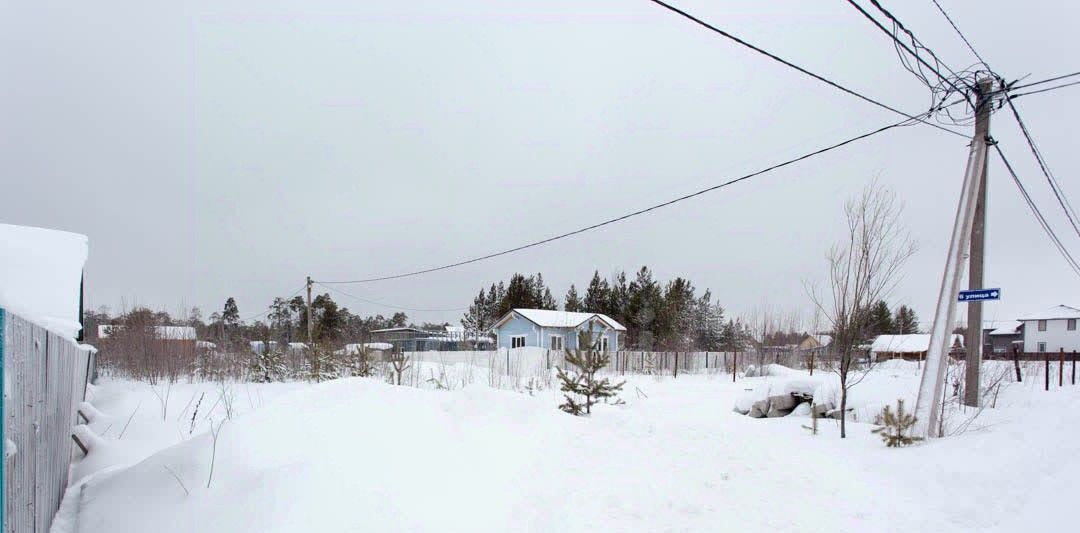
[346, 455]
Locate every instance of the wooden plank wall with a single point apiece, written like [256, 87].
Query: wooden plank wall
[45, 377]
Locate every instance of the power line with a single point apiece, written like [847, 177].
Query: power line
[960, 33]
[1014, 96]
[638, 212]
[391, 306]
[1038, 214]
[1054, 185]
[789, 64]
[915, 41]
[1048, 80]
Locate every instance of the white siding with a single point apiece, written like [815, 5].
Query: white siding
[1057, 336]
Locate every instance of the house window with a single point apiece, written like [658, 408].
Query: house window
[1042, 325]
[1071, 324]
[603, 345]
[555, 343]
[517, 341]
[1042, 346]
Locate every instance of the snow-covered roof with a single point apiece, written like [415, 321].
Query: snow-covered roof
[41, 274]
[562, 319]
[170, 333]
[911, 343]
[205, 344]
[1055, 312]
[355, 347]
[1003, 327]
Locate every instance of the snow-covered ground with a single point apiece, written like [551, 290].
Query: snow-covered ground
[361, 455]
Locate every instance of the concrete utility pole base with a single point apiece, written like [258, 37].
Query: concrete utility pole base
[931, 387]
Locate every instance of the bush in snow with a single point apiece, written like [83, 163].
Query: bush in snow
[895, 428]
[267, 366]
[360, 363]
[580, 381]
[320, 366]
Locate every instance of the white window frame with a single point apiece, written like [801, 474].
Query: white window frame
[514, 341]
[603, 343]
[1041, 325]
[553, 340]
[1041, 347]
[1070, 325]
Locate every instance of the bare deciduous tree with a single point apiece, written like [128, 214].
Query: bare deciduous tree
[863, 268]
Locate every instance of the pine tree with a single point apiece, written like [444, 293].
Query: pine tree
[596, 295]
[579, 384]
[548, 302]
[895, 428]
[231, 314]
[477, 320]
[321, 365]
[905, 321]
[267, 365]
[572, 302]
[879, 321]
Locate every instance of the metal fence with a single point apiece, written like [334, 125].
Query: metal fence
[44, 378]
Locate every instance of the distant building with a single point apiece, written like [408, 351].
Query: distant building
[165, 333]
[999, 336]
[1051, 330]
[292, 348]
[912, 347]
[555, 330]
[814, 344]
[411, 339]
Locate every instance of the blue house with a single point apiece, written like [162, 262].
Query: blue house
[555, 330]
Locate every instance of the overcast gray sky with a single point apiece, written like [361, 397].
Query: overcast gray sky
[215, 149]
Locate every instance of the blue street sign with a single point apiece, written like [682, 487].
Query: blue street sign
[980, 294]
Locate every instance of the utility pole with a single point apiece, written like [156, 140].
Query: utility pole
[973, 338]
[310, 328]
[311, 344]
[931, 386]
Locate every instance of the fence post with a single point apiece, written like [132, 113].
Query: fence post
[1074, 368]
[811, 362]
[675, 369]
[1046, 378]
[1016, 364]
[508, 361]
[706, 361]
[1061, 367]
[734, 364]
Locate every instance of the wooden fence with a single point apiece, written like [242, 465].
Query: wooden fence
[44, 378]
[532, 361]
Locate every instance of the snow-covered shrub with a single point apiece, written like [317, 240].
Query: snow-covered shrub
[895, 428]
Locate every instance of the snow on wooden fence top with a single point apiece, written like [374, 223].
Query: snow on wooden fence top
[40, 275]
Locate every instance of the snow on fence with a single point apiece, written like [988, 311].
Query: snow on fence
[45, 377]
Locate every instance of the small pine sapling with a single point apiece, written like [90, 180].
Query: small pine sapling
[895, 428]
[267, 366]
[579, 384]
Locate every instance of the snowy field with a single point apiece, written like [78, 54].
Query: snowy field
[361, 455]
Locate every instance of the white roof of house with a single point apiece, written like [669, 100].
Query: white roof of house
[1003, 327]
[822, 339]
[170, 333]
[41, 274]
[1055, 312]
[911, 343]
[564, 319]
